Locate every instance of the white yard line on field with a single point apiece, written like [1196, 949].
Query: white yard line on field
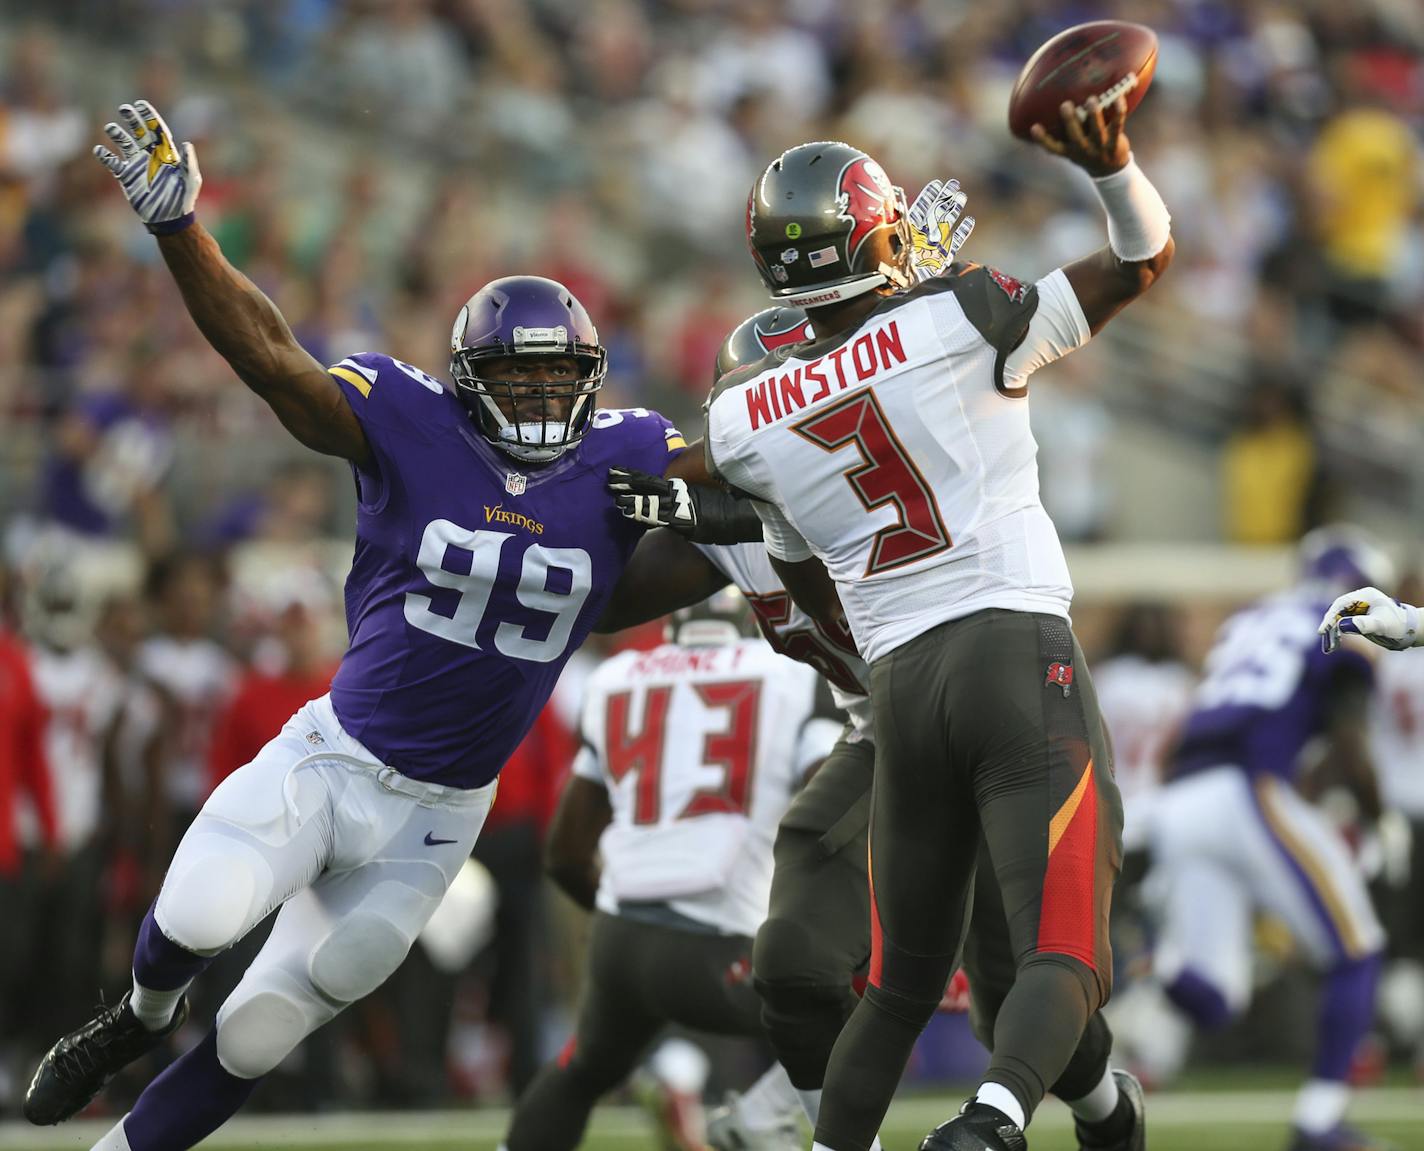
[405, 1128]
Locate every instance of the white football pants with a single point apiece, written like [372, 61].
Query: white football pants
[1224, 847]
[357, 856]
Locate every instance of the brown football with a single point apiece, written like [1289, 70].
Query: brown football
[1106, 59]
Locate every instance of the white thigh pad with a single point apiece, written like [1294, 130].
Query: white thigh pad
[216, 889]
[257, 1033]
[360, 954]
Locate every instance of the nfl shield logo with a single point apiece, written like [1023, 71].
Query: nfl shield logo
[514, 483]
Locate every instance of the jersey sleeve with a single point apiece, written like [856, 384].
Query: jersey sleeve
[587, 766]
[1057, 328]
[398, 406]
[1002, 309]
[782, 539]
[637, 438]
[730, 459]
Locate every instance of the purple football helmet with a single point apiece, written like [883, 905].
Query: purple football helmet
[1339, 557]
[524, 316]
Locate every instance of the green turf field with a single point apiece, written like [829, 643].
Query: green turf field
[1198, 1120]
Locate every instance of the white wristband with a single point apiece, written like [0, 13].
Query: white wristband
[1139, 224]
[1411, 622]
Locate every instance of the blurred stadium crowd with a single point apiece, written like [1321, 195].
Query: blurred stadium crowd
[371, 162]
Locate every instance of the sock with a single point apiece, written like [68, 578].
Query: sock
[681, 1065]
[769, 1101]
[160, 964]
[1347, 1009]
[190, 1099]
[1099, 1103]
[154, 1009]
[113, 1139]
[1001, 1099]
[1320, 1106]
[811, 1104]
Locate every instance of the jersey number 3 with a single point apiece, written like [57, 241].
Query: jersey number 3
[885, 475]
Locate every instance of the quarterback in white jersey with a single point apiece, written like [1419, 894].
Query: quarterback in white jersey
[895, 457]
[691, 753]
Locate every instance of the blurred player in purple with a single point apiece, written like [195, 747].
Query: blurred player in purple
[486, 547]
[1232, 836]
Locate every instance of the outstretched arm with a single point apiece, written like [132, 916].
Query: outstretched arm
[665, 573]
[1140, 245]
[236, 318]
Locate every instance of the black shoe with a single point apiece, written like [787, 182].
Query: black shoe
[977, 1127]
[75, 1069]
[1125, 1129]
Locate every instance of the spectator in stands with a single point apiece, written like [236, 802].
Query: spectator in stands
[25, 790]
[1270, 468]
[193, 673]
[290, 666]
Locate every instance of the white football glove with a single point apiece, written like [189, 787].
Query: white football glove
[160, 182]
[934, 234]
[1374, 615]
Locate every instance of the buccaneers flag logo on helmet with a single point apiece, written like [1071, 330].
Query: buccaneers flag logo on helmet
[773, 340]
[867, 200]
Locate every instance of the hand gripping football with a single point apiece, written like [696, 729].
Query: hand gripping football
[1106, 59]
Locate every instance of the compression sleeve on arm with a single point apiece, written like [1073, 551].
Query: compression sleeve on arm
[724, 518]
[1139, 224]
[1057, 328]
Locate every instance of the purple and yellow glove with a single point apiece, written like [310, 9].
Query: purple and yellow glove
[1374, 615]
[160, 181]
[936, 230]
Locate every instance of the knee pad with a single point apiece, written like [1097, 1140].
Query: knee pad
[257, 1034]
[357, 956]
[1090, 1061]
[788, 953]
[214, 892]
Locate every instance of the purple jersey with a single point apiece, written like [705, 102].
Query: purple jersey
[1266, 689]
[475, 576]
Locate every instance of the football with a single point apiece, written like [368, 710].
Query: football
[1106, 59]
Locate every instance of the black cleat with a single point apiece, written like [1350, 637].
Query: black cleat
[75, 1069]
[977, 1127]
[1113, 1133]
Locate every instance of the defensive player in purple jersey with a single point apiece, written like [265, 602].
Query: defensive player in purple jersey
[1233, 835]
[486, 547]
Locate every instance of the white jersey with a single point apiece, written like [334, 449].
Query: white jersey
[82, 693]
[198, 676]
[1397, 730]
[900, 454]
[701, 750]
[1143, 704]
[794, 633]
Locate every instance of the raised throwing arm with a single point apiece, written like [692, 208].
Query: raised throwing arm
[236, 318]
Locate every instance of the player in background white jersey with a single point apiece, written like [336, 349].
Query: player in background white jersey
[691, 754]
[896, 454]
